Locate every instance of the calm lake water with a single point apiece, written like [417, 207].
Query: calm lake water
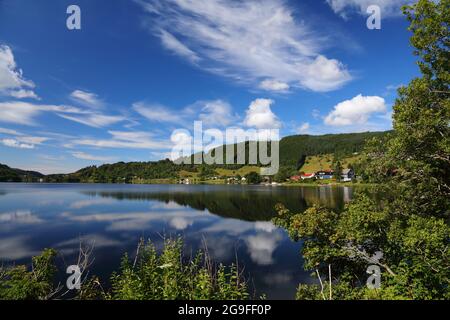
[234, 221]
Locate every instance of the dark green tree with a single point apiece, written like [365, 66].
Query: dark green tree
[337, 171]
[253, 178]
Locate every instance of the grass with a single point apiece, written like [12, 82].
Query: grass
[325, 162]
[242, 171]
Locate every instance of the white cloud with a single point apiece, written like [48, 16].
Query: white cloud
[24, 113]
[260, 116]
[355, 111]
[10, 132]
[19, 140]
[12, 82]
[389, 8]
[13, 143]
[211, 113]
[274, 85]
[22, 94]
[324, 74]
[23, 142]
[216, 113]
[87, 156]
[86, 98]
[173, 44]
[124, 139]
[157, 113]
[304, 127]
[95, 120]
[251, 41]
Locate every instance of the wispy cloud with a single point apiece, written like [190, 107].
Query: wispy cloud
[173, 44]
[95, 120]
[25, 113]
[389, 8]
[91, 157]
[157, 113]
[15, 139]
[256, 42]
[86, 98]
[213, 113]
[12, 82]
[124, 139]
[303, 128]
[13, 143]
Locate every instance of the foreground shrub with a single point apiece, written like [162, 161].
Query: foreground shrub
[168, 275]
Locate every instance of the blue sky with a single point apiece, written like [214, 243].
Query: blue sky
[138, 70]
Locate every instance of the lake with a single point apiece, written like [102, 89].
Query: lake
[233, 221]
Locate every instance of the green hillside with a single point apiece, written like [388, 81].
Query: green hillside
[8, 174]
[294, 152]
[295, 149]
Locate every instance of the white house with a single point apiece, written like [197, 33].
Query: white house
[347, 175]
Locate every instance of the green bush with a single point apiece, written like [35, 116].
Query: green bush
[151, 276]
[170, 276]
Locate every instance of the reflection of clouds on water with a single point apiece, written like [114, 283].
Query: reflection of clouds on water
[80, 204]
[262, 245]
[171, 205]
[221, 248]
[180, 223]
[265, 226]
[137, 221]
[277, 279]
[229, 226]
[15, 248]
[20, 216]
[95, 241]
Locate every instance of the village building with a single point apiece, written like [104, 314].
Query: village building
[347, 175]
[324, 174]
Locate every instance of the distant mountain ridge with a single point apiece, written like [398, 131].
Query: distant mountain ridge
[293, 152]
[8, 174]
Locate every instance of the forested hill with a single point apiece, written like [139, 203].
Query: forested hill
[293, 151]
[8, 174]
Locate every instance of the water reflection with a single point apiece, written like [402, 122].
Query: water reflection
[245, 203]
[233, 221]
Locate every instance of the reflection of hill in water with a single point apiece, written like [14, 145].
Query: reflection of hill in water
[252, 204]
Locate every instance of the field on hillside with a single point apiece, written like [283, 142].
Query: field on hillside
[242, 171]
[223, 172]
[325, 162]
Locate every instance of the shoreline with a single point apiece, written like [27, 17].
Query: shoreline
[334, 184]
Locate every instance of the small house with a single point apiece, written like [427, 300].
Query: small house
[347, 175]
[307, 176]
[324, 174]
